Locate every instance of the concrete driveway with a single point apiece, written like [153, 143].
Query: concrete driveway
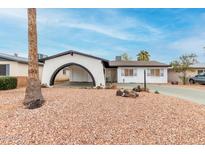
[191, 94]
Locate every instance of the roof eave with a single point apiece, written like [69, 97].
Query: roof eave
[139, 65]
[71, 52]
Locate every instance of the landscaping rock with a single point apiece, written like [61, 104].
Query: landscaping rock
[175, 82]
[99, 87]
[137, 89]
[119, 92]
[81, 116]
[133, 94]
[126, 93]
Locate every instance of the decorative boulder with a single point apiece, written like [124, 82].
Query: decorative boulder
[133, 94]
[119, 92]
[126, 93]
[137, 89]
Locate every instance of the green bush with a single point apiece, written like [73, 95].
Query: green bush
[8, 82]
[156, 92]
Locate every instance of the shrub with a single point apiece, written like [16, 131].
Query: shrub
[156, 92]
[8, 83]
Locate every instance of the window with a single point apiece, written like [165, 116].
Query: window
[161, 72]
[155, 72]
[64, 71]
[4, 70]
[200, 71]
[129, 72]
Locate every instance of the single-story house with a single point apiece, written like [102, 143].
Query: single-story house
[13, 65]
[195, 70]
[87, 68]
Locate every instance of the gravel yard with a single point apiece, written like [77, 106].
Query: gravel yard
[82, 116]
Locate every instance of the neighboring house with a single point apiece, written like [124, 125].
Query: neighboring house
[13, 65]
[196, 69]
[86, 68]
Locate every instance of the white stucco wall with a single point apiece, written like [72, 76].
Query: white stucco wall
[63, 77]
[95, 66]
[139, 78]
[78, 74]
[19, 69]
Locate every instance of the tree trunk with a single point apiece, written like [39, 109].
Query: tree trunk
[184, 78]
[33, 97]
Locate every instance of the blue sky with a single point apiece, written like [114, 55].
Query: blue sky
[165, 33]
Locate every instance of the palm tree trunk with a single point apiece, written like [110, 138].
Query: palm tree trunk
[33, 97]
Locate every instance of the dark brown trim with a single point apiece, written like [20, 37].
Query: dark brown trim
[19, 61]
[72, 52]
[197, 67]
[141, 66]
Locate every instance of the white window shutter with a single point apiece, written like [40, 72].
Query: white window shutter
[122, 72]
[7, 69]
[135, 72]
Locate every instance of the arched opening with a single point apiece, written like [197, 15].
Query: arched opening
[72, 74]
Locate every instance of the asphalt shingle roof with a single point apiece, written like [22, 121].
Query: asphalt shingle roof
[119, 63]
[15, 58]
[137, 63]
[198, 65]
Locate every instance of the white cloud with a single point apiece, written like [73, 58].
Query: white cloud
[115, 25]
[13, 13]
[193, 44]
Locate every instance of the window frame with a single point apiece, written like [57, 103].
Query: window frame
[203, 71]
[154, 73]
[131, 72]
[7, 69]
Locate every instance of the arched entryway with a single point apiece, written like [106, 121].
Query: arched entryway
[93, 66]
[53, 77]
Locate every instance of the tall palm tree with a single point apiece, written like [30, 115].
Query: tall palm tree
[143, 56]
[33, 97]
